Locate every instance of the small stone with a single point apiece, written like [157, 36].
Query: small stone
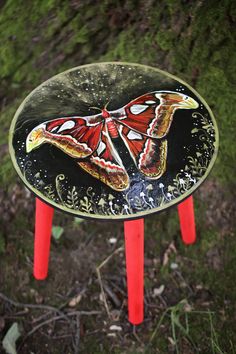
[115, 328]
[112, 240]
[158, 291]
[111, 335]
[174, 266]
[199, 287]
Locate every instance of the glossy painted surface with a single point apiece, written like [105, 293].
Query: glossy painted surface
[113, 141]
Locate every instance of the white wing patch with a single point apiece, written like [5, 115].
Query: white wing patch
[138, 108]
[101, 148]
[134, 136]
[67, 125]
[150, 102]
[54, 129]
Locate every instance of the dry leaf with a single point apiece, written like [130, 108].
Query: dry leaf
[158, 291]
[170, 249]
[73, 302]
[9, 341]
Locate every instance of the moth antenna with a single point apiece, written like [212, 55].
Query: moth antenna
[107, 104]
[96, 108]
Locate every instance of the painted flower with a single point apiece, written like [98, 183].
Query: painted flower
[181, 181]
[171, 188]
[149, 187]
[161, 185]
[102, 202]
[142, 195]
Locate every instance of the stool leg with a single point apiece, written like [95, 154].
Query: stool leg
[43, 227]
[134, 250]
[187, 223]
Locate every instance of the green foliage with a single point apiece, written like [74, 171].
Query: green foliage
[57, 232]
[183, 323]
[77, 222]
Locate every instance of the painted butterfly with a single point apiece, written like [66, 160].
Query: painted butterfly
[142, 124]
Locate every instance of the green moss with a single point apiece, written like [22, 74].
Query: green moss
[129, 48]
[165, 39]
[2, 244]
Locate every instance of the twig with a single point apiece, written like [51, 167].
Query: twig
[117, 287]
[100, 278]
[55, 318]
[136, 336]
[112, 295]
[33, 306]
[182, 278]
[62, 336]
[93, 332]
[38, 319]
[77, 334]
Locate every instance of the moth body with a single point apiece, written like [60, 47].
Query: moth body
[111, 125]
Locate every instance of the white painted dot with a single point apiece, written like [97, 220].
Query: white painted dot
[150, 102]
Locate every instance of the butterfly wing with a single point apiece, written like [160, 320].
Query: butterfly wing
[144, 122]
[152, 113]
[77, 137]
[106, 165]
[84, 138]
[149, 154]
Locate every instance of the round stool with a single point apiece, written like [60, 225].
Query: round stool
[113, 141]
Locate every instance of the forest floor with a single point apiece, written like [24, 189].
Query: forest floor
[190, 292]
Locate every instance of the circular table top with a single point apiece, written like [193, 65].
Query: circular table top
[113, 140]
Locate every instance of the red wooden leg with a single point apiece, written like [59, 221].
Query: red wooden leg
[134, 247]
[187, 223]
[43, 227]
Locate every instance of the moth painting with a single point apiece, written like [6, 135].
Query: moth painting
[113, 140]
[142, 124]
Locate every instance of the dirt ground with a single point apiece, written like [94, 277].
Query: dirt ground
[188, 290]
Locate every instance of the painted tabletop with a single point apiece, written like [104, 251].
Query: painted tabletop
[113, 140]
